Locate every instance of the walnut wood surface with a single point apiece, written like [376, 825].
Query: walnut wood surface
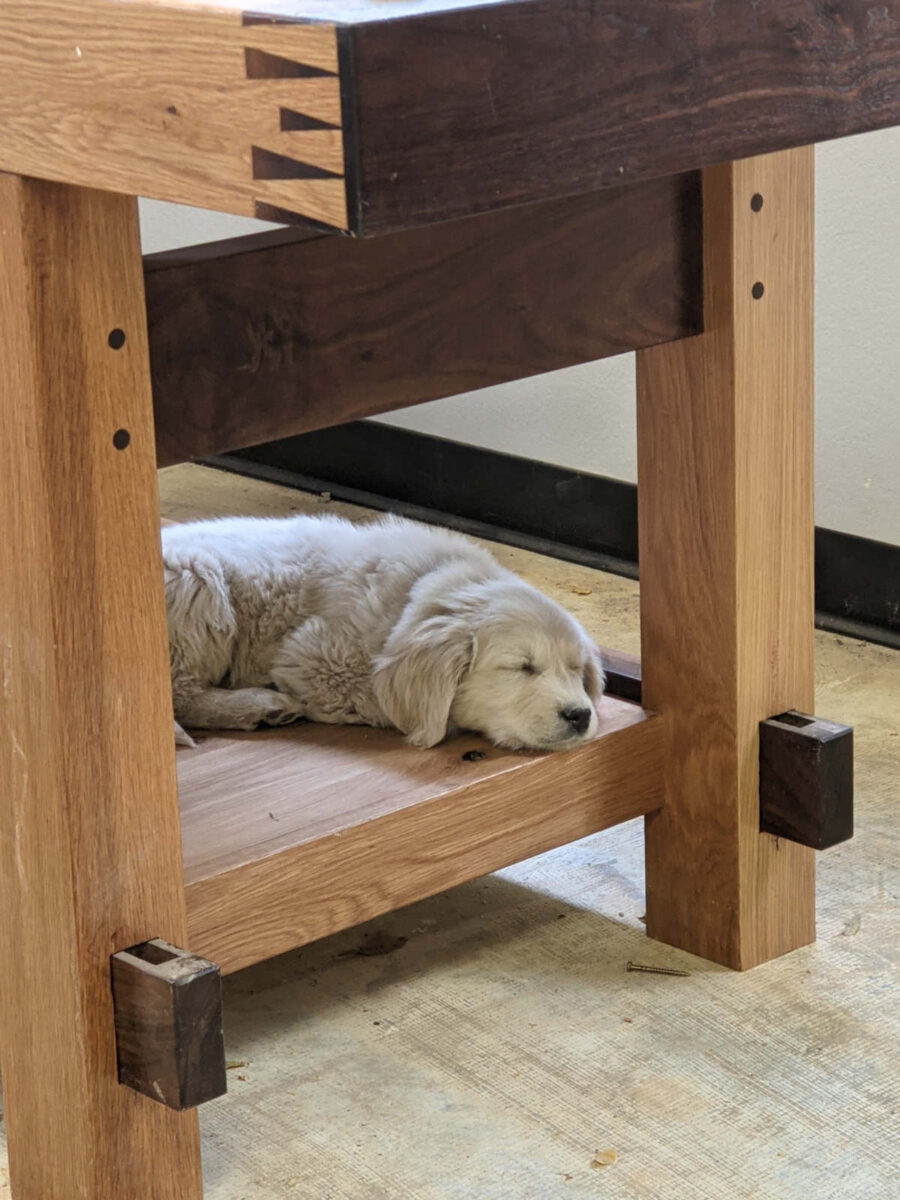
[168, 1009]
[90, 850]
[295, 833]
[464, 110]
[623, 675]
[806, 779]
[262, 343]
[726, 529]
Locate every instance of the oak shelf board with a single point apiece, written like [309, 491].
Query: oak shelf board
[291, 834]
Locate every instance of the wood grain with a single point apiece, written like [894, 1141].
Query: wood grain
[806, 779]
[465, 110]
[295, 833]
[90, 853]
[726, 527]
[174, 101]
[405, 115]
[168, 1009]
[265, 342]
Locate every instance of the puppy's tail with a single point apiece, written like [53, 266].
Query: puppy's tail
[182, 738]
[197, 602]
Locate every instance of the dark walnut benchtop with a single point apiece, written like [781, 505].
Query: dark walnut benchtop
[372, 116]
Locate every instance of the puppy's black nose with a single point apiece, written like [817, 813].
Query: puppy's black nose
[578, 718]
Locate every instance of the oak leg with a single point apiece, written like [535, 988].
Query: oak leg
[90, 851]
[726, 542]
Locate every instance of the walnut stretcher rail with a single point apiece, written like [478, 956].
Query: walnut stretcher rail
[563, 180]
[283, 332]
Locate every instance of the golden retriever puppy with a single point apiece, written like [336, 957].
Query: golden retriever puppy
[386, 624]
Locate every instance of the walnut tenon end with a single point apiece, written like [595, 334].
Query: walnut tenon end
[806, 779]
[168, 1014]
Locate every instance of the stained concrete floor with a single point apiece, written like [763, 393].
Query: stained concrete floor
[501, 1042]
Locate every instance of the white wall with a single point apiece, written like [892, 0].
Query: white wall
[583, 417]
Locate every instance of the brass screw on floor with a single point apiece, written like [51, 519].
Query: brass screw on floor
[633, 966]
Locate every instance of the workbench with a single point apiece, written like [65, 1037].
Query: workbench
[471, 193]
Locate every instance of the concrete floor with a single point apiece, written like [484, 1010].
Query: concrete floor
[500, 1044]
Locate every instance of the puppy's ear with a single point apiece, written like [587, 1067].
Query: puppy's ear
[594, 678]
[416, 676]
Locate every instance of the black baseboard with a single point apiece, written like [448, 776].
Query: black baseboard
[567, 514]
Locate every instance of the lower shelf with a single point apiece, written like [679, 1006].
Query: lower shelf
[292, 834]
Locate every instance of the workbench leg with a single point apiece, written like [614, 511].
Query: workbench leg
[725, 443]
[90, 850]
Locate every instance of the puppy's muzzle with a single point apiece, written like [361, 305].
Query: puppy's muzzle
[578, 719]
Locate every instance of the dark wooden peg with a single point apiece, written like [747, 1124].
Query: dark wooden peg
[806, 779]
[168, 1013]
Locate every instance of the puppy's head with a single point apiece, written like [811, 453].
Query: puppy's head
[495, 657]
[534, 677]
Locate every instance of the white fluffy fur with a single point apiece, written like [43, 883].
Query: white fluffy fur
[390, 624]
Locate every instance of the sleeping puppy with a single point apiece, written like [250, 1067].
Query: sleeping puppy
[385, 624]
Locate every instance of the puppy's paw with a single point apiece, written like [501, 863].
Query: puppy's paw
[422, 740]
[284, 710]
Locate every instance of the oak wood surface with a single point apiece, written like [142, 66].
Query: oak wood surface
[726, 527]
[295, 833]
[257, 344]
[183, 102]
[90, 853]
